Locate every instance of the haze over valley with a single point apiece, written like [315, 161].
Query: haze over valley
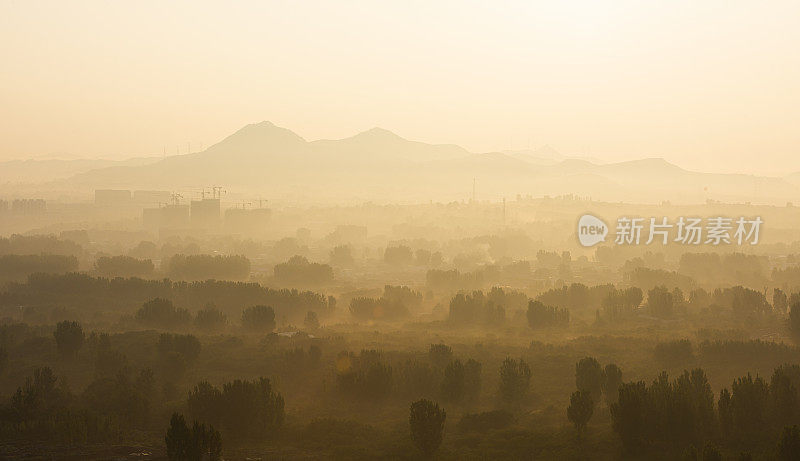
[262, 159]
[434, 230]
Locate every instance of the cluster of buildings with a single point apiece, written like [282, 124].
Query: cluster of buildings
[163, 212]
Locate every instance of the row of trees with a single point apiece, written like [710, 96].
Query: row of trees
[45, 409]
[196, 444]
[620, 303]
[461, 382]
[613, 304]
[576, 297]
[19, 267]
[396, 302]
[243, 410]
[18, 244]
[541, 316]
[592, 383]
[682, 412]
[518, 272]
[123, 266]
[742, 302]
[298, 271]
[84, 293]
[369, 375]
[477, 308]
[162, 314]
[110, 407]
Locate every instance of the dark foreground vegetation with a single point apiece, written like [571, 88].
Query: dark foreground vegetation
[653, 365]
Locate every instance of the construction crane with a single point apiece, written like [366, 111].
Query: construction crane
[217, 191]
[175, 198]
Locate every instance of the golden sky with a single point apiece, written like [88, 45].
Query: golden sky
[709, 85]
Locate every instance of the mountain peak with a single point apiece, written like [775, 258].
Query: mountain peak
[547, 151]
[267, 129]
[378, 134]
[259, 136]
[653, 162]
[646, 167]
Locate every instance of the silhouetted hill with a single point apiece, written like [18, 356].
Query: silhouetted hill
[48, 169]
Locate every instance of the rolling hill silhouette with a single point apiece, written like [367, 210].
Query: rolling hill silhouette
[378, 164]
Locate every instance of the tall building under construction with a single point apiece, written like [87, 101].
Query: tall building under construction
[205, 214]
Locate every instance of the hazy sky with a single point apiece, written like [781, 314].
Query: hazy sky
[708, 85]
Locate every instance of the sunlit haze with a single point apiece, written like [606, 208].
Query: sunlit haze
[710, 86]
[406, 231]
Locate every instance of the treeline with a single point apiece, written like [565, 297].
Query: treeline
[122, 402]
[758, 355]
[453, 280]
[491, 308]
[162, 314]
[371, 376]
[397, 302]
[18, 267]
[83, 293]
[118, 402]
[299, 271]
[662, 302]
[742, 302]
[720, 269]
[38, 244]
[695, 270]
[680, 418]
[611, 303]
[241, 409]
[681, 413]
[123, 266]
[120, 405]
[577, 297]
[115, 409]
[487, 275]
[541, 316]
[477, 308]
[620, 303]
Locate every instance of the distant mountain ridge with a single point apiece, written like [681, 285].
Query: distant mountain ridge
[379, 164]
[49, 169]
